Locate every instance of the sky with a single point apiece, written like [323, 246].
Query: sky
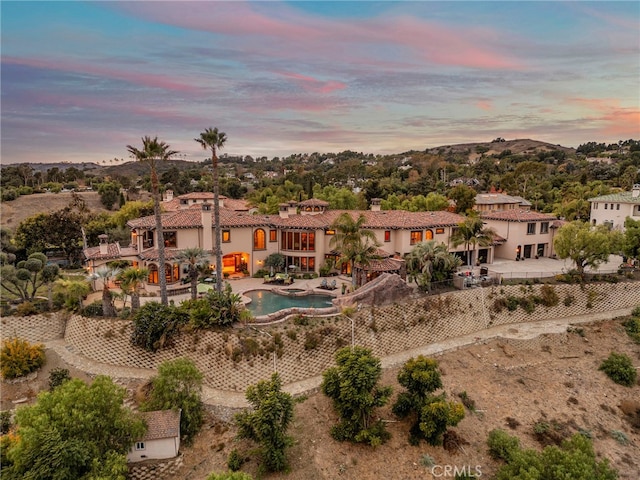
[82, 80]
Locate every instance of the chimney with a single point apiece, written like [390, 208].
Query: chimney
[168, 195]
[104, 243]
[635, 191]
[221, 199]
[284, 210]
[375, 204]
[291, 207]
[207, 227]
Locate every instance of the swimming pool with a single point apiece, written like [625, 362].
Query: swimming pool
[264, 302]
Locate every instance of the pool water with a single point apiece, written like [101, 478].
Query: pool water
[264, 302]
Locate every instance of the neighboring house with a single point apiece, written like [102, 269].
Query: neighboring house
[301, 232]
[613, 209]
[162, 439]
[498, 202]
[188, 200]
[526, 233]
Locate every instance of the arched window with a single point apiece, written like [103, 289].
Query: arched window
[153, 274]
[259, 240]
[428, 235]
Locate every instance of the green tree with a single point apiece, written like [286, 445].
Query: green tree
[465, 198]
[267, 423]
[155, 325]
[196, 259]
[275, 260]
[71, 293]
[178, 386]
[574, 459]
[431, 262]
[154, 151]
[109, 194]
[353, 387]
[631, 245]
[585, 245]
[212, 139]
[131, 281]
[76, 431]
[355, 243]
[24, 279]
[472, 232]
[432, 414]
[219, 309]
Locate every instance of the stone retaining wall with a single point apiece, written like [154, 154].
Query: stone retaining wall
[34, 328]
[155, 470]
[228, 364]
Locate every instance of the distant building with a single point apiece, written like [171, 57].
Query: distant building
[613, 209]
[498, 202]
[162, 439]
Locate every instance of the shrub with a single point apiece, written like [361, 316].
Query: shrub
[154, 325]
[93, 309]
[9, 194]
[230, 476]
[620, 369]
[312, 340]
[568, 300]
[548, 296]
[57, 377]
[512, 303]
[235, 460]
[5, 421]
[502, 446]
[636, 312]
[26, 309]
[528, 304]
[19, 358]
[632, 327]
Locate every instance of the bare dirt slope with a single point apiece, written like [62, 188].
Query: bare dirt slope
[25, 206]
[552, 379]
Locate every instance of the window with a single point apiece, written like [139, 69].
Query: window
[606, 205]
[298, 241]
[595, 206]
[612, 206]
[387, 235]
[273, 235]
[259, 240]
[617, 206]
[531, 228]
[428, 235]
[153, 274]
[226, 236]
[329, 232]
[140, 446]
[544, 227]
[439, 231]
[170, 239]
[303, 264]
[416, 237]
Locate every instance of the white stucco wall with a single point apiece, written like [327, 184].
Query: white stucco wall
[157, 449]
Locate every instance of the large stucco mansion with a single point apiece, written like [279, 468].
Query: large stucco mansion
[302, 233]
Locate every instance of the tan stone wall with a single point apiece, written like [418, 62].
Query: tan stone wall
[34, 328]
[156, 470]
[386, 330]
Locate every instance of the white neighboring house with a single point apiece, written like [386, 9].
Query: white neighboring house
[613, 209]
[162, 439]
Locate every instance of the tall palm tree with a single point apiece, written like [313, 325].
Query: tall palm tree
[355, 243]
[152, 152]
[212, 139]
[196, 259]
[132, 279]
[473, 233]
[431, 261]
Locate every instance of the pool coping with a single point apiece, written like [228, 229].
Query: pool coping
[281, 316]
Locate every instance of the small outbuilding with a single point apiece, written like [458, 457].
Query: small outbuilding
[162, 439]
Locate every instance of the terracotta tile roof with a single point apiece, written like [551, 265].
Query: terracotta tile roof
[499, 198]
[152, 254]
[382, 265]
[93, 253]
[313, 202]
[518, 216]
[192, 218]
[161, 424]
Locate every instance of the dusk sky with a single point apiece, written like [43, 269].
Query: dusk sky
[81, 80]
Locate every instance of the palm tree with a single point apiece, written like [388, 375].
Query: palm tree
[152, 152]
[212, 139]
[132, 279]
[196, 259]
[472, 232]
[105, 274]
[431, 261]
[355, 243]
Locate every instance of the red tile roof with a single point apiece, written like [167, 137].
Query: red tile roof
[161, 424]
[518, 216]
[312, 202]
[93, 253]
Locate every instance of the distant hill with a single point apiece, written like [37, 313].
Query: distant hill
[518, 146]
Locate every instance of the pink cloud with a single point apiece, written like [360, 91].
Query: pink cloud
[123, 73]
[616, 120]
[484, 105]
[354, 41]
[311, 84]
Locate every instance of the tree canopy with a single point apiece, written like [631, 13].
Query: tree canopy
[76, 431]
